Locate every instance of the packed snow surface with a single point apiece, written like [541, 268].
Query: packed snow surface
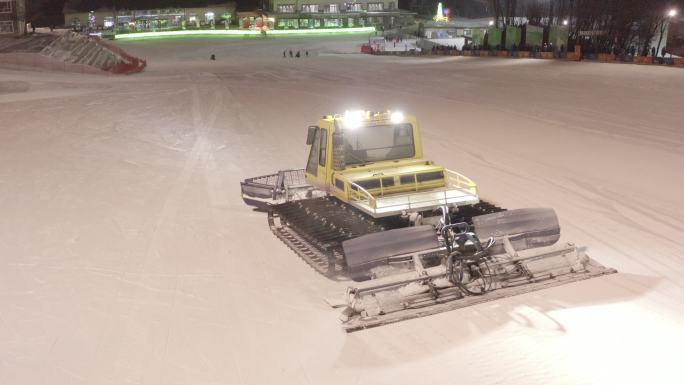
[128, 257]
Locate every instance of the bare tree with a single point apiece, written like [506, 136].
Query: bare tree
[620, 23]
[534, 12]
[496, 7]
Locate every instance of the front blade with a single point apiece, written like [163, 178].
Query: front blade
[366, 252]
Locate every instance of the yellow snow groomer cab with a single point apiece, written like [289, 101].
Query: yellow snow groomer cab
[374, 162]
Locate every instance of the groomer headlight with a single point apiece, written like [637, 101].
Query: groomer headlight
[397, 117]
[353, 119]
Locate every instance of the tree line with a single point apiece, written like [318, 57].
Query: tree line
[606, 24]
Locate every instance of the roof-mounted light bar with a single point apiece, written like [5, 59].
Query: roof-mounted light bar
[353, 119]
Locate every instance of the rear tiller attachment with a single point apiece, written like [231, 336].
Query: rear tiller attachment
[507, 253]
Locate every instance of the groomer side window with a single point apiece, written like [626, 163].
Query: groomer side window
[323, 147]
[312, 164]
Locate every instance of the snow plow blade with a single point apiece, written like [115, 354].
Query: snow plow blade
[367, 252]
[525, 228]
[520, 257]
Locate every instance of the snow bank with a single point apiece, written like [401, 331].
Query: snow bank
[127, 255]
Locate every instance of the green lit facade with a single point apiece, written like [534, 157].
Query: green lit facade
[243, 33]
[321, 14]
[218, 16]
[280, 16]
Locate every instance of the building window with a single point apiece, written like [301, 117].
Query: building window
[310, 8]
[374, 7]
[390, 5]
[355, 7]
[332, 8]
[309, 23]
[333, 22]
[6, 6]
[286, 8]
[288, 23]
[6, 27]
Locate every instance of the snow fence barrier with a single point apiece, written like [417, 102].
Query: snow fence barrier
[93, 51]
[23, 61]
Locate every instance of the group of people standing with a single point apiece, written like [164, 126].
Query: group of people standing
[298, 54]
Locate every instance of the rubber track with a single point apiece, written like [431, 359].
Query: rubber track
[329, 263]
[315, 229]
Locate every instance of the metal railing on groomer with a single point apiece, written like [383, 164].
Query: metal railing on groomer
[413, 198]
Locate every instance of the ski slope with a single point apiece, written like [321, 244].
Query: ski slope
[128, 257]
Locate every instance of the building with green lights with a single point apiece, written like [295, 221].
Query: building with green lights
[151, 20]
[299, 15]
[305, 14]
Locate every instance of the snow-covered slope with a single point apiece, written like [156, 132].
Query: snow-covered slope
[127, 255]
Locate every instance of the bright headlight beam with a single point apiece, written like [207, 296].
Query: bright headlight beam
[353, 119]
[397, 117]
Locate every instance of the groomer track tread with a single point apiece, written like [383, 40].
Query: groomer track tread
[315, 229]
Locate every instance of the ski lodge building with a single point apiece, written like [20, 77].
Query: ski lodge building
[302, 14]
[278, 14]
[145, 20]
